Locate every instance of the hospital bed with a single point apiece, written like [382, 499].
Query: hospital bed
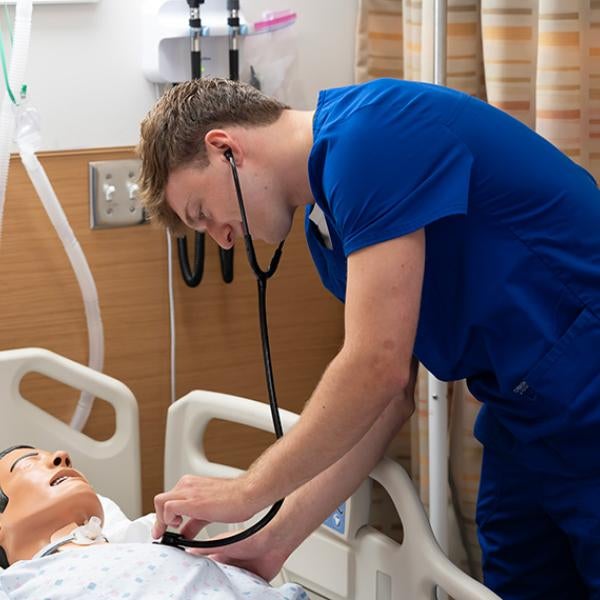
[344, 559]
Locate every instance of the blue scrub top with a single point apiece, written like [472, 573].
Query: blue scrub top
[511, 292]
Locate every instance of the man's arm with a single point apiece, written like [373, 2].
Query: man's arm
[372, 369]
[383, 297]
[305, 509]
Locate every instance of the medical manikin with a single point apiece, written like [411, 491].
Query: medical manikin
[53, 546]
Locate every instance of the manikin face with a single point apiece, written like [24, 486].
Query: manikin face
[45, 493]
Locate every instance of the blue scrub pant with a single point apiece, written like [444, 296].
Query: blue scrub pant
[539, 533]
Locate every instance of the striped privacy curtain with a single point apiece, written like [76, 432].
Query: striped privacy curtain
[538, 60]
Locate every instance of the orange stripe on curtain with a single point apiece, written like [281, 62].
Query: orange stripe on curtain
[507, 11]
[378, 73]
[559, 38]
[468, 29]
[379, 35]
[509, 79]
[573, 16]
[507, 33]
[508, 61]
[509, 105]
[559, 114]
[558, 69]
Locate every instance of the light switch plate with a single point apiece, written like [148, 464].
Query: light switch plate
[113, 194]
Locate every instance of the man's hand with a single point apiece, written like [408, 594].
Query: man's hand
[259, 554]
[203, 499]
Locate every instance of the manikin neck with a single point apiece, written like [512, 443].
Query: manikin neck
[63, 536]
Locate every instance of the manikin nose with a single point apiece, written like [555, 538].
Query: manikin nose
[61, 458]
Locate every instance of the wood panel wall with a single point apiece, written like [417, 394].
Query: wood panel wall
[218, 343]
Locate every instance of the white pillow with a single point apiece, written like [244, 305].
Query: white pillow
[113, 515]
[118, 528]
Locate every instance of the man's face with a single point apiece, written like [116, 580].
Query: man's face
[44, 492]
[205, 200]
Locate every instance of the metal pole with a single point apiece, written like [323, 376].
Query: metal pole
[438, 390]
[438, 463]
[439, 42]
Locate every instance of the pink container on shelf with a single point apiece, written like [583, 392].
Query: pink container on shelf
[275, 20]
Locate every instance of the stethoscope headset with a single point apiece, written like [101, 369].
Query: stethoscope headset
[176, 539]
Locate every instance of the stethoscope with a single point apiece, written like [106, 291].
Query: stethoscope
[176, 539]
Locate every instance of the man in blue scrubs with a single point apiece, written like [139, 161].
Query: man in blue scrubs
[453, 234]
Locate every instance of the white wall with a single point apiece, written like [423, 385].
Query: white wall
[84, 69]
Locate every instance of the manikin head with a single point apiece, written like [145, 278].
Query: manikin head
[40, 495]
[186, 178]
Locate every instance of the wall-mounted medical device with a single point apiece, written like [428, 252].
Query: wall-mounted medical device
[166, 34]
[208, 32]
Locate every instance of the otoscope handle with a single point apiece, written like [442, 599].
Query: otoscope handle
[196, 59]
[234, 65]
[226, 257]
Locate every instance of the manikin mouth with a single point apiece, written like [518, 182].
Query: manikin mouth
[64, 475]
[59, 481]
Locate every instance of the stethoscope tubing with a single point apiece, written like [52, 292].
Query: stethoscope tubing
[176, 539]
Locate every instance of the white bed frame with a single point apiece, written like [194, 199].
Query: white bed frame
[345, 560]
[354, 562]
[113, 465]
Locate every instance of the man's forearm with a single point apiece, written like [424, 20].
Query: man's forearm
[350, 397]
[311, 504]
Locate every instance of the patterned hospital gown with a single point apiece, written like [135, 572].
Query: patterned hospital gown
[135, 570]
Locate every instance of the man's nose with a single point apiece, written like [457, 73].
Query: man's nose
[60, 458]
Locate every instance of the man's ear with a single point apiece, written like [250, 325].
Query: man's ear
[218, 142]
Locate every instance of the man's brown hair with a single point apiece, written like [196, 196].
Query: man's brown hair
[172, 134]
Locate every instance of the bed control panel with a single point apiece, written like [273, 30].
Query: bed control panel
[337, 520]
[352, 514]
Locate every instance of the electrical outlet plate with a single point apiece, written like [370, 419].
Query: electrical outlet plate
[113, 194]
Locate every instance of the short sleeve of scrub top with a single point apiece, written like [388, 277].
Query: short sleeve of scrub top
[380, 171]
